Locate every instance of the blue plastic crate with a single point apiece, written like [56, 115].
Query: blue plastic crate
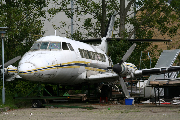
[128, 101]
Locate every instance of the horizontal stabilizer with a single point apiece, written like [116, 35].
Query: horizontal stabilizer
[160, 70]
[130, 40]
[151, 71]
[148, 40]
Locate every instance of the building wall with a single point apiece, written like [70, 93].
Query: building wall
[61, 30]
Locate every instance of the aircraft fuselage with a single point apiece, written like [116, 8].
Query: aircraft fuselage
[60, 60]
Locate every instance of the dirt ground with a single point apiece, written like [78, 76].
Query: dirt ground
[87, 111]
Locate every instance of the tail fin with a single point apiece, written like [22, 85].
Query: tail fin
[110, 25]
[108, 33]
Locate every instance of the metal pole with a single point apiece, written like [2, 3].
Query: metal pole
[140, 61]
[3, 89]
[149, 59]
[155, 94]
[3, 32]
[72, 4]
[158, 95]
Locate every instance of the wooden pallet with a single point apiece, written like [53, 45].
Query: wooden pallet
[164, 83]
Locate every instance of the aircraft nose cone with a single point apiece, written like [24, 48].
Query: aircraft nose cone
[25, 70]
[117, 68]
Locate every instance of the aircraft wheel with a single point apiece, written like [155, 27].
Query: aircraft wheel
[37, 104]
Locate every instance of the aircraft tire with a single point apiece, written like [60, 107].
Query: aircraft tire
[37, 104]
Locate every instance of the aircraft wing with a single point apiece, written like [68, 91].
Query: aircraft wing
[105, 77]
[163, 65]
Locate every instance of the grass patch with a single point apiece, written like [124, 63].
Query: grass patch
[14, 104]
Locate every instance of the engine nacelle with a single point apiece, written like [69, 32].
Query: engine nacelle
[9, 73]
[128, 70]
[5, 71]
[12, 69]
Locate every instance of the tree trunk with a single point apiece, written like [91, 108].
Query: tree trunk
[8, 47]
[103, 28]
[122, 19]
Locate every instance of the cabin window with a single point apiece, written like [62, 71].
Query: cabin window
[44, 45]
[99, 56]
[104, 58]
[96, 56]
[90, 54]
[64, 46]
[70, 47]
[93, 56]
[81, 52]
[86, 54]
[36, 46]
[55, 45]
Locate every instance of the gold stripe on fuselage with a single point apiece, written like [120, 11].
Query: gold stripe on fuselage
[58, 66]
[75, 62]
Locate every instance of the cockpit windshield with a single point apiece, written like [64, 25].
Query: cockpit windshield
[46, 45]
[36, 46]
[55, 45]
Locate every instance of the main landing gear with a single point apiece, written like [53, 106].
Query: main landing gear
[42, 94]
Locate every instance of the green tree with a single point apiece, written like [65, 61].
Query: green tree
[148, 15]
[22, 17]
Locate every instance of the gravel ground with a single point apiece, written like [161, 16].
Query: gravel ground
[100, 112]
